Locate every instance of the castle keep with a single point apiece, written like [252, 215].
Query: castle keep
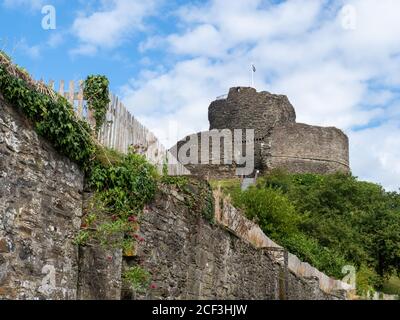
[279, 141]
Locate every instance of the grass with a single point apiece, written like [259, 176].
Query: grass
[392, 286]
[227, 186]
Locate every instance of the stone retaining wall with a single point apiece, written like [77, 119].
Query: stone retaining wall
[40, 210]
[190, 258]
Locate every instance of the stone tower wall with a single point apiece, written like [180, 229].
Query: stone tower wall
[301, 148]
[280, 142]
[244, 108]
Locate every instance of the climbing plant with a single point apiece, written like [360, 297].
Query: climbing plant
[96, 93]
[53, 118]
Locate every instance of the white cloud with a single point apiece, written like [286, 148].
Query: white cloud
[24, 48]
[115, 22]
[151, 43]
[375, 153]
[333, 76]
[203, 40]
[252, 20]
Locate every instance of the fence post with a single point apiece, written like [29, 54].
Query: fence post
[121, 129]
[71, 92]
[61, 88]
[80, 100]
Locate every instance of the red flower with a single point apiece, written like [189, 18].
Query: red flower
[153, 286]
[136, 236]
[109, 258]
[141, 239]
[132, 219]
[114, 218]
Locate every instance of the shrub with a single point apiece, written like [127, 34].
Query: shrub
[269, 208]
[328, 220]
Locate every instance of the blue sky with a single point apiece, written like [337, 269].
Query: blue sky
[337, 61]
[49, 53]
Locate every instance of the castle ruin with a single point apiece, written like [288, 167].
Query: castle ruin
[279, 141]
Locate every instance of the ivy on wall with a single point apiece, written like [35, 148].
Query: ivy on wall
[121, 185]
[96, 93]
[53, 119]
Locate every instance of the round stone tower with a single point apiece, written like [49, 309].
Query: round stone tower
[279, 141]
[245, 108]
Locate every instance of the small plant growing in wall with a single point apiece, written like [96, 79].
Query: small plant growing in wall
[82, 237]
[122, 186]
[198, 196]
[137, 278]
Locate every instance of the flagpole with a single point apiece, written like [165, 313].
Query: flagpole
[252, 75]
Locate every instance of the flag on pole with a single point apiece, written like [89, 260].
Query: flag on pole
[253, 70]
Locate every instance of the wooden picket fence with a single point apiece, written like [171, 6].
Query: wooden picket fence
[121, 130]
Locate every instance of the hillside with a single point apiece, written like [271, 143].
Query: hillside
[329, 221]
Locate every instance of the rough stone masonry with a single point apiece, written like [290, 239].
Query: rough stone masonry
[279, 141]
[40, 210]
[190, 258]
[41, 200]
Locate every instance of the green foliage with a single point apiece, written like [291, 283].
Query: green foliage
[358, 219]
[82, 238]
[122, 187]
[115, 234]
[392, 286]
[137, 278]
[328, 221]
[108, 157]
[96, 92]
[228, 186]
[209, 205]
[54, 120]
[180, 182]
[197, 194]
[269, 208]
[278, 218]
[367, 280]
[122, 184]
[127, 185]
